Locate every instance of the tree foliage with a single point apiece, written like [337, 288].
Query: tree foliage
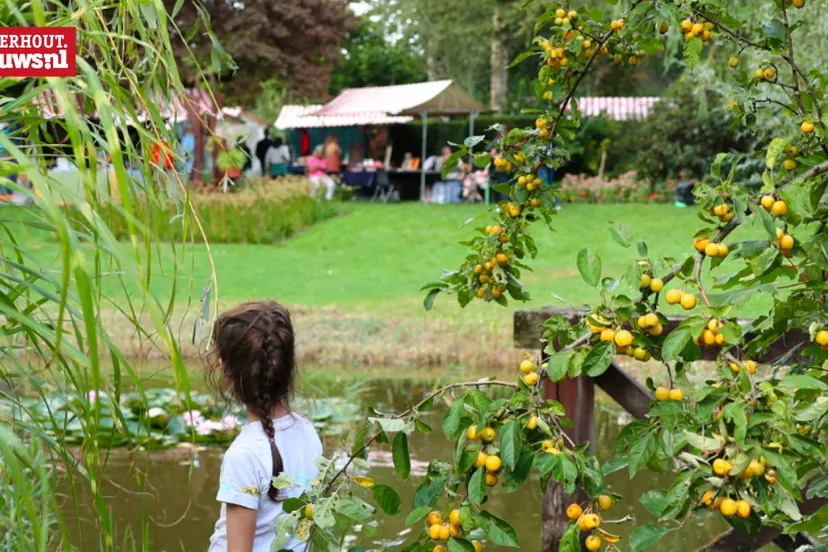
[297, 42]
[370, 59]
[750, 441]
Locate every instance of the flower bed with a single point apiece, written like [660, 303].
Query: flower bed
[626, 188]
[160, 418]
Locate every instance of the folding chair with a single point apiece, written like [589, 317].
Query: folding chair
[383, 189]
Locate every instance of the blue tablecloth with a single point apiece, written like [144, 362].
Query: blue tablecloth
[359, 179]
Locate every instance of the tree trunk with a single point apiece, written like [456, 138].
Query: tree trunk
[499, 81]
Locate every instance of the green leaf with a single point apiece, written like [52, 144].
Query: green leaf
[511, 441]
[388, 499]
[735, 413]
[802, 382]
[641, 452]
[477, 486]
[675, 342]
[514, 479]
[702, 443]
[598, 359]
[647, 535]
[358, 511]
[589, 265]
[767, 221]
[497, 530]
[452, 419]
[428, 492]
[417, 514]
[716, 167]
[520, 57]
[558, 365]
[613, 465]
[655, 501]
[775, 148]
[402, 460]
[799, 202]
[774, 29]
[692, 51]
[459, 545]
[466, 460]
[621, 233]
[428, 302]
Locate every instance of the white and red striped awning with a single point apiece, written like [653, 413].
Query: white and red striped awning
[618, 108]
[173, 108]
[444, 97]
[302, 116]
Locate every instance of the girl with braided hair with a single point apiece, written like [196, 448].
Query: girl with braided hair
[253, 362]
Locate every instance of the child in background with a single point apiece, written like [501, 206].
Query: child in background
[254, 363]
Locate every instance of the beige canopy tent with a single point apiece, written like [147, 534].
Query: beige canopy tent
[437, 98]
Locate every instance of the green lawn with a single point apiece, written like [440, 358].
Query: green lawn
[375, 257]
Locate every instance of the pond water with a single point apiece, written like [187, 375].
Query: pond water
[181, 507]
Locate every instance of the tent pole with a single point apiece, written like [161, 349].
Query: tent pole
[424, 117]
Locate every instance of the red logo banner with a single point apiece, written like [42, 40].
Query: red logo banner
[38, 51]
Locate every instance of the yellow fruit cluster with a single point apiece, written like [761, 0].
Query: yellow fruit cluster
[617, 25]
[589, 521]
[563, 17]
[723, 211]
[664, 394]
[775, 206]
[441, 528]
[686, 300]
[727, 506]
[766, 74]
[552, 447]
[702, 29]
[711, 337]
[748, 365]
[821, 339]
[491, 462]
[530, 372]
[651, 323]
[503, 165]
[529, 182]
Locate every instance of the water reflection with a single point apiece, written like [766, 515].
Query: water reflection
[181, 506]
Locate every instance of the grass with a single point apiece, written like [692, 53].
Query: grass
[354, 280]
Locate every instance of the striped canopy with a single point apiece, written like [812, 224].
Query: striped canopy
[618, 108]
[304, 116]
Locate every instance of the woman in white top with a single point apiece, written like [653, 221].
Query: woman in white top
[277, 158]
[253, 347]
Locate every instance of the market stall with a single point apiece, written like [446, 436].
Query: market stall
[426, 99]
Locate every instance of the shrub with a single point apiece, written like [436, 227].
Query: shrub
[626, 188]
[263, 211]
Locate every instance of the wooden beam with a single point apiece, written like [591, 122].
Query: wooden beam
[528, 332]
[625, 390]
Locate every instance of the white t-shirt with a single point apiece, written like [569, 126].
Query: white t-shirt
[247, 471]
[277, 155]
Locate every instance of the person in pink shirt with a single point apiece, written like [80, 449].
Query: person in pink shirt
[317, 166]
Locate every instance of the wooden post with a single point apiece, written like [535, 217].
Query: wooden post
[577, 396]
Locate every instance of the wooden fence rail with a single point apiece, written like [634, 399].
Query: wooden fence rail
[577, 395]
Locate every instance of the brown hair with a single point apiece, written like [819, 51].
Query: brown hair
[253, 353]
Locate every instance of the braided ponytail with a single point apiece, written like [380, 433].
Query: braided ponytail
[254, 346]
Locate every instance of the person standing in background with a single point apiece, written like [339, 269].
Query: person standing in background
[262, 147]
[277, 159]
[333, 154]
